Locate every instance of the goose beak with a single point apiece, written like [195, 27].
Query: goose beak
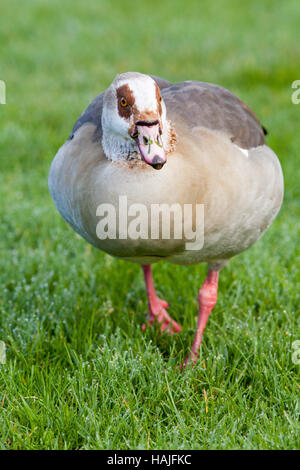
[148, 138]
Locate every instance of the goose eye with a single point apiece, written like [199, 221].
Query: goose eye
[123, 102]
[160, 99]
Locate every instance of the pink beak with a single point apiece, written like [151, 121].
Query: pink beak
[148, 139]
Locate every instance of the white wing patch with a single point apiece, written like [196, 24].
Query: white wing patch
[245, 152]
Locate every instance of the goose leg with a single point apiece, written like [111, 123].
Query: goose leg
[207, 298]
[157, 306]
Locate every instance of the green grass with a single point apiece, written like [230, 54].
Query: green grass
[80, 374]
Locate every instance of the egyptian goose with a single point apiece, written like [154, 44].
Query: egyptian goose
[210, 151]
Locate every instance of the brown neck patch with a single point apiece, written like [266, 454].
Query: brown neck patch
[172, 139]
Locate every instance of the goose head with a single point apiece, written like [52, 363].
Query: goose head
[134, 120]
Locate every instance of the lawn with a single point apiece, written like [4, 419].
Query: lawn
[80, 373]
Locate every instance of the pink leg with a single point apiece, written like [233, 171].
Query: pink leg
[157, 307]
[207, 300]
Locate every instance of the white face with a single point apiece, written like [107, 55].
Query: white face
[130, 99]
[133, 119]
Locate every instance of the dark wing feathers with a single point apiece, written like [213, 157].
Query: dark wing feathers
[92, 114]
[201, 104]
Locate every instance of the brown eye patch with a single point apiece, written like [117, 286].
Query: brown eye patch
[125, 101]
[159, 98]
